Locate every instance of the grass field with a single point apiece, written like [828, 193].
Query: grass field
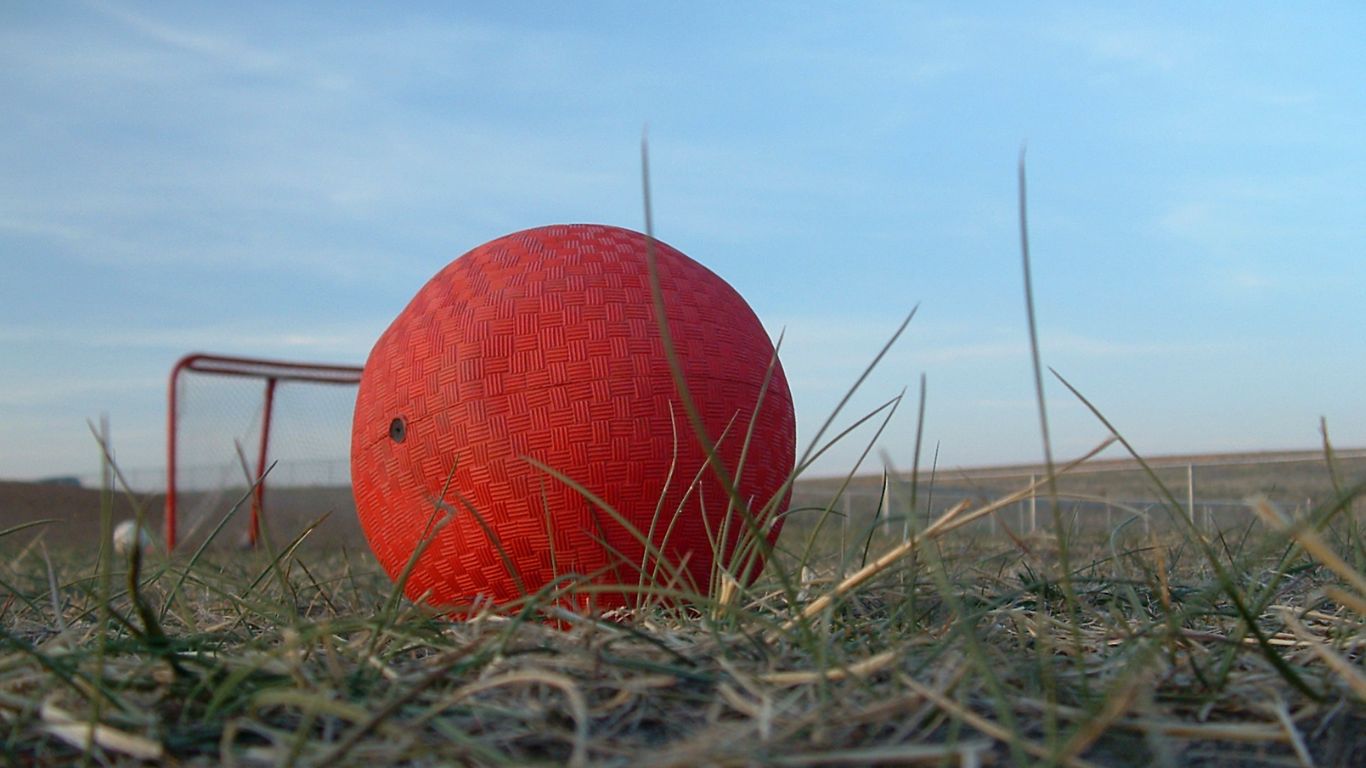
[1157, 647]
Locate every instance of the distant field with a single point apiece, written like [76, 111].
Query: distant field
[1286, 477]
[1100, 494]
[1221, 483]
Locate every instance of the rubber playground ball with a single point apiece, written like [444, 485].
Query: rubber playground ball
[534, 364]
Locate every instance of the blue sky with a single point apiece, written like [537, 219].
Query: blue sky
[278, 179]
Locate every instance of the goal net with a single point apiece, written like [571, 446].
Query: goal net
[244, 433]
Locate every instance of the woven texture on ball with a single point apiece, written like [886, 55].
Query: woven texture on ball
[543, 345]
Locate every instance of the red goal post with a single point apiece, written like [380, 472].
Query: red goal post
[271, 373]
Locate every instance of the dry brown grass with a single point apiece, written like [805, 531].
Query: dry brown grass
[952, 650]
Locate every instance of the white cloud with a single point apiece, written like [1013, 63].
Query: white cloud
[352, 343]
[28, 393]
[846, 344]
[222, 48]
[1249, 283]
[1127, 39]
[38, 227]
[1058, 342]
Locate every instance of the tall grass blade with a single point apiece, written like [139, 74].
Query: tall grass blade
[1064, 544]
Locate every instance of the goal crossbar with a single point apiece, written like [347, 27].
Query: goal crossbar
[272, 372]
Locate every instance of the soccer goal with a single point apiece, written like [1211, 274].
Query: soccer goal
[236, 425]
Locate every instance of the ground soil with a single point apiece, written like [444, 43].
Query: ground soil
[75, 513]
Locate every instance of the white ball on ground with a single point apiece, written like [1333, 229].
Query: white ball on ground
[125, 536]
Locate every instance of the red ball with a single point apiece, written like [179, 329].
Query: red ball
[542, 346]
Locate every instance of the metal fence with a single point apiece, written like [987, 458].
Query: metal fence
[860, 512]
